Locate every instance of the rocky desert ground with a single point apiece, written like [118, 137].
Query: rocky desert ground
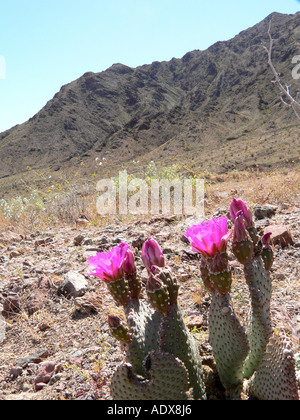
[54, 338]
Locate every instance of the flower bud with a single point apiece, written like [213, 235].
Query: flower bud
[152, 254]
[129, 262]
[242, 245]
[238, 206]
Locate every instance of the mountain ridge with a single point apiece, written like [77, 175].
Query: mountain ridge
[204, 107]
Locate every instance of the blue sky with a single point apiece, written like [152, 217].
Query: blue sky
[45, 44]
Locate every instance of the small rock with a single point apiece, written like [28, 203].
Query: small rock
[184, 239]
[279, 276]
[43, 241]
[89, 303]
[39, 386]
[194, 321]
[15, 371]
[82, 220]
[55, 378]
[78, 240]
[36, 357]
[44, 374]
[74, 285]
[280, 235]
[102, 240]
[39, 296]
[43, 326]
[266, 211]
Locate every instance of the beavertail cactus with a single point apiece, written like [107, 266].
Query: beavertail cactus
[162, 358]
[227, 336]
[267, 254]
[259, 330]
[159, 347]
[259, 284]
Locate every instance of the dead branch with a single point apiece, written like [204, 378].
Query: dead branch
[285, 95]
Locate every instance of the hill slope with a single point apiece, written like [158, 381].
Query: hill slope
[215, 108]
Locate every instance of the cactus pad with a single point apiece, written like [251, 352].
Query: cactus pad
[175, 338]
[143, 324]
[168, 380]
[228, 340]
[260, 288]
[275, 379]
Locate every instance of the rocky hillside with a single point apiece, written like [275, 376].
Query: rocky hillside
[216, 109]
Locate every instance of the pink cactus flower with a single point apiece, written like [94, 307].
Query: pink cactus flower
[209, 237]
[237, 206]
[109, 266]
[152, 254]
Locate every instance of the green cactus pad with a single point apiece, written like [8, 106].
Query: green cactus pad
[243, 251]
[158, 294]
[175, 338]
[121, 333]
[267, 257]
[134, 284]
[143, 323]
[170, 282]
[260, 330]
[228, 340]
[168, 380]
[276, 377]
[119, 291]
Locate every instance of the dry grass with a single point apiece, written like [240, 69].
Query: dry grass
[277, 187]
[62, 203]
